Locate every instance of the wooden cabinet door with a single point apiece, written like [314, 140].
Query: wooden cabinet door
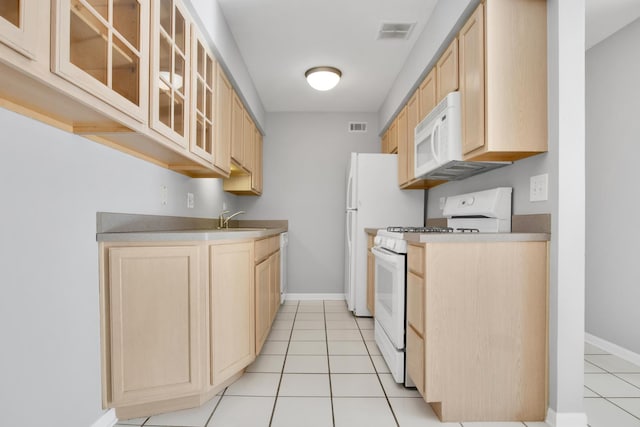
[248, 144]
[170, 70]
[412, 122]
[415, 359]
[392, 146]
[403, 147]
[447, 71]
[154, 323]
[237, 123]
[222, 125]
[232, 309]
[263, 290]
[19, 25]
[203, 141]
[256, 174]
[427, 97]
[472, 81]
[103, 47]
[384, 142]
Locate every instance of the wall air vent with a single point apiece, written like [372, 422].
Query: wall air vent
[357, 126]
[395, 30]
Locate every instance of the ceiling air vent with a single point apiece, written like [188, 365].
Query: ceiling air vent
[395, 30]
[357, 126]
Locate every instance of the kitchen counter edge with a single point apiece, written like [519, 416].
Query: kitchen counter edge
[189, 235]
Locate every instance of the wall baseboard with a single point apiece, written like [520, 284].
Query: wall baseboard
[612, 348]
[566, 419]
[314, 297]
[108, 419]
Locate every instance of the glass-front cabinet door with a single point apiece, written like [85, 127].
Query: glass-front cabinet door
[18, 25]
[102, 47]
[170, 71]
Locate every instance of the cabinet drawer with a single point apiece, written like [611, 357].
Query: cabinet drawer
[415, 259]
[265, 247]
[415, 304]
[415, 359]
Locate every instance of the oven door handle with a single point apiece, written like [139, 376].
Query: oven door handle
[384, 254]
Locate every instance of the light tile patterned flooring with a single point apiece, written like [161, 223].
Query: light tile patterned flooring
[320, 367]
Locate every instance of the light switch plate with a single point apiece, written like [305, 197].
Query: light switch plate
[539, 188]
[164, 195]
[190, 200]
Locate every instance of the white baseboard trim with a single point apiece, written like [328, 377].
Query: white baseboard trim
[612, 348]
[566, 419]
[314, 297]
[108, 419]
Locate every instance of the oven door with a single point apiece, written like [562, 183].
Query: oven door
[390, 294]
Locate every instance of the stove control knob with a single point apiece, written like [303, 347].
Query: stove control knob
[392, 245]
[377, 240]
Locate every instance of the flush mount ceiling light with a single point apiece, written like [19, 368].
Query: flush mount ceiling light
[323, 78]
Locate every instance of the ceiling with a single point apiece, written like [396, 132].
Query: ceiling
[280, 39]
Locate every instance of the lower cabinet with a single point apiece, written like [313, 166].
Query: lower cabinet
[232, 309]
[477, 335]
[156, 348]
[181, 320]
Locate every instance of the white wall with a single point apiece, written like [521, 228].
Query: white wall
[613, 133]
[52, 184]
[305, 163]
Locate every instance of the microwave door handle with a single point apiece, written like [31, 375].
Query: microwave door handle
[435, 136]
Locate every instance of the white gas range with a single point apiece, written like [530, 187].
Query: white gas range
[480, 212]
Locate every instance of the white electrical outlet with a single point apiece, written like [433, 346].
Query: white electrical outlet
[539, 188]
[164, 195]
[191, 200]
[442, 202]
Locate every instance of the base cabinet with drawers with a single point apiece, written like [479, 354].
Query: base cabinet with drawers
[477, 336]
[182, 320]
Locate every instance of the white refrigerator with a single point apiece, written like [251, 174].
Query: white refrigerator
[374, 200]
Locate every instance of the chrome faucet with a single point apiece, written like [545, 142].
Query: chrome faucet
[223, 221]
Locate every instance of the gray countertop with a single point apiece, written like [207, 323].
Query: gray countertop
[190, 235]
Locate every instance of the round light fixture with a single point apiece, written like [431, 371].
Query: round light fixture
[323, 78]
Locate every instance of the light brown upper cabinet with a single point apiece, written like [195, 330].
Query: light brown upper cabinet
[170, 68]
[248, 142]
[19, 26]
[403, 145]
[203, 114]
[503, 80]
[103, 47]
[256, 174]
[447, 71]
[427, 95]
[222, 125]
[384, 142]
[237, 138]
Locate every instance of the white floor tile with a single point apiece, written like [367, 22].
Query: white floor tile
[612, 363]
[282, 325]
[274, 347]
[308, 335]
[132, 422]
[288, 308]
[267, 363]
[242, 411]
[194, 417]
[589, 393]
[344, 348]
[311, 303]
[343, 335]
[608, 385]
[279, 335]
[335, 303]
[304, 385]
[592, 349]
[308, 348]
[356, 385]
[336, 309]
[341, 324]
[306, 365]
[285, 315]
[494, 424]
[339, 315]
[310, 309]
[393, 389]
[590, 368]
[255, 384]
[602, 413]
[415, 412]
[310, 316]
[308, 324]
[631, 378]
[351, 365]
[631, 405]
[362, 412]
[291, 302]
[380, 365]
[373, 348]
[365, 322]
[302, 411]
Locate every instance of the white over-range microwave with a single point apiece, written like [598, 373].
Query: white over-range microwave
[438, 145]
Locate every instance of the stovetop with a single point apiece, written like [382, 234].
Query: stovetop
[397, 229]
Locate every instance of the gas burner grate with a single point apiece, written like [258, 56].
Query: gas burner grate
[420, 229]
